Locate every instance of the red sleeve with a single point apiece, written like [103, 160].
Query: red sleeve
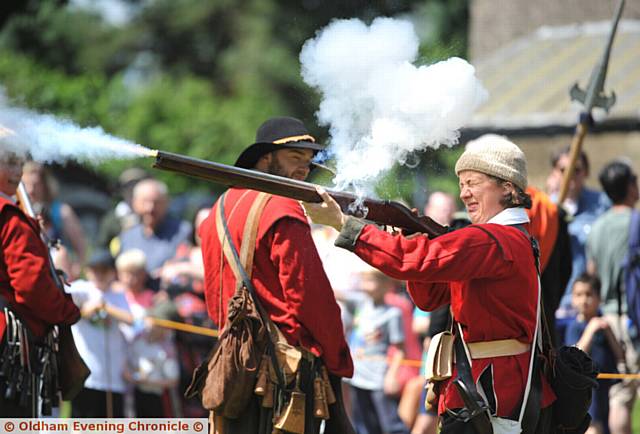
[308, 291]
[468, 253]
[26, 259]
[429, 296]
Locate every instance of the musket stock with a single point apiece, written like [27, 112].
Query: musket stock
[384, 212]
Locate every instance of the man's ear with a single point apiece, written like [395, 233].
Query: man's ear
[264, 161]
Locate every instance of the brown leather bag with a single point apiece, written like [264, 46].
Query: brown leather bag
[226, 380]
[72, 370]
[233, 368]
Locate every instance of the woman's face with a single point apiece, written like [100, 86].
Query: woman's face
[10, 173]
[34, 183]
[481, 195]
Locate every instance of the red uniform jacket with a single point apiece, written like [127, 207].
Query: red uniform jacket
[287, 274]
[492, 287]
[25, 280]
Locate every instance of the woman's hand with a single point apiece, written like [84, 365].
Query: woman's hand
[326, 213]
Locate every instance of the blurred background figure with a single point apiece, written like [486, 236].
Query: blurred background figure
[158, 234]
[100, 340]
[549, 226]
[377, 327]
[583, 206]
[441, 207]
[592, 334]
[122, 216]
[58, 218]
[607, 246]
[182, 279]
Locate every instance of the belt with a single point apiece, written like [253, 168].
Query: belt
[498, 348]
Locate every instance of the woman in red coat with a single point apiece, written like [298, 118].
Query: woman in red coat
[486, 271]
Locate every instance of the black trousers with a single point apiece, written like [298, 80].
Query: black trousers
[148, 404]
[90, 403]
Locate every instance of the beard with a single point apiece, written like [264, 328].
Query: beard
[275, 168]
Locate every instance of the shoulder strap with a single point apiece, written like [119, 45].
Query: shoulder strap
[239, 262]
[247, 248]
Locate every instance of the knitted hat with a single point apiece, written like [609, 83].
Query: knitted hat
[496, 156]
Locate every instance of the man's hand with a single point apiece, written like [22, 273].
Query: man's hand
[326, 213]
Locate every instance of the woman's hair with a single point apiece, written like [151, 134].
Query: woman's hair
[516, 199]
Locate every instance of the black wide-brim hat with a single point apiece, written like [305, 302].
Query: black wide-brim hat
[274, 134]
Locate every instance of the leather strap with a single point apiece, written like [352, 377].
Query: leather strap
[242, 277]
[247, 249]
[497, 348]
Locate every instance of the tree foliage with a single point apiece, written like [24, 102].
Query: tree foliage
[189, 76]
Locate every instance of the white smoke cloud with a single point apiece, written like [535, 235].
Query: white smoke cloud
[379, 107]
[48, 139]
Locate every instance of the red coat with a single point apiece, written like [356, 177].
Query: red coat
[25, 279]
[492, 288]
[287, 274]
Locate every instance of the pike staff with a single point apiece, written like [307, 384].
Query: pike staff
[593, 96]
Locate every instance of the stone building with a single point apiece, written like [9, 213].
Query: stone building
[529, 54]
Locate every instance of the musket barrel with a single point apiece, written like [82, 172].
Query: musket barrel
[380, 211]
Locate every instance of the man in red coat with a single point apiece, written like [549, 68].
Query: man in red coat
[26, 285]
[287, 272]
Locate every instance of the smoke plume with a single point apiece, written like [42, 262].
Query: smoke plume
[380, 108]
[48, 139]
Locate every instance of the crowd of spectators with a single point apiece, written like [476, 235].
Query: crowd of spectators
[147, 263]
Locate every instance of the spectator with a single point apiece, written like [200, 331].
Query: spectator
[186, 269]
[183, 280]
[606, 247]
[583, 206]
[158, 235]
[122, 216]
[591, 333]
[100, 340]
[441, 207]
[58, 218]
[549, 226]
[377, 327]
[132, 275]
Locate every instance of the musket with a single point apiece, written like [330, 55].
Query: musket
[383, 212]
[593, 96]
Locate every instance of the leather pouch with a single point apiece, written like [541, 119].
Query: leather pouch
[439, 365]
[289, 358]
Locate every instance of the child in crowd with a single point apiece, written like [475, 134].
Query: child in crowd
[377, 327]
[100, 340]
[591, 333]
[132, 275]
[152, 365]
